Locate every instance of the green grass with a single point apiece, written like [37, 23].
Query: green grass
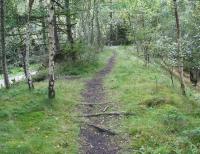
[88, 65]
[165, 121]
[30, 123]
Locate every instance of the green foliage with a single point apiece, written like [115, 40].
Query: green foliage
[162, 114]
[87, 63]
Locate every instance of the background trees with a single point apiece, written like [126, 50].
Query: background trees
[87, 25]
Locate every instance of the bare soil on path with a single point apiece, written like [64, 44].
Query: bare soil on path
[95, 140]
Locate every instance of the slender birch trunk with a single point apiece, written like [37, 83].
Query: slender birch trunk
[44, 37]
[69, 29]
[52, 48]
[27, 51]
[2, 31]
[96, 8]
[180, 57]
[111, 25]
[68, 22]
[56, 37]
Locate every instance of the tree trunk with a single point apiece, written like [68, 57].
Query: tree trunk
[111, 25]
[92, 28]
[27, 51]
[44, 37]
[88, 21]
[180, 57]
[52, 48]
[2, 31]
[99, 43]
[56, 37]
[69, 29]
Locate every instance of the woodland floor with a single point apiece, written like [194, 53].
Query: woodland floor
[114, 106]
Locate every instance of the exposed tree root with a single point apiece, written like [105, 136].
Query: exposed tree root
[94, 103]
[100, 129]
[110, 114]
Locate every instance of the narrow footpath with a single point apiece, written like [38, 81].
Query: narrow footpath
[96, 139]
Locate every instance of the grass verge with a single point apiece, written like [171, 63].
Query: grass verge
[165, 121]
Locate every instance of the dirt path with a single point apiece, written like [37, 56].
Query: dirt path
[95, 141]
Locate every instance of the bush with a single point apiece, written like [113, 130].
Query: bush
[82, 51]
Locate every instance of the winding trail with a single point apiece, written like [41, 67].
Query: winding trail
[95, 141]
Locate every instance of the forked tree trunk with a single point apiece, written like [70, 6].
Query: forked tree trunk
[27, 51]
[180, 57]
[51, 48]
[3, 58]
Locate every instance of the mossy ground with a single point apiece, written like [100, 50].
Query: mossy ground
[30, 123]
[165, 121]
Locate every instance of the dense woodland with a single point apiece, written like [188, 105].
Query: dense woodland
[59, 58]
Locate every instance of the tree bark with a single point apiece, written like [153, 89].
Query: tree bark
[111, 25]
[56, 37]
[68, 22]
[99, 43]
[2, 31]
[27, 51]
[180, 57]
[92, 27]
[52, 48]
[44, 37]
[69, 29]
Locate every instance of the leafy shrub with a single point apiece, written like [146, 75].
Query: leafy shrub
[82, 51]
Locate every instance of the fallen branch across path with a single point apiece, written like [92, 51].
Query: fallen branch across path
[93, 103]
[100, 129]
[109, 114]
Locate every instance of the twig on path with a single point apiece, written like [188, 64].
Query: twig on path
[105, 109]
[100, 129]
[109, 114]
